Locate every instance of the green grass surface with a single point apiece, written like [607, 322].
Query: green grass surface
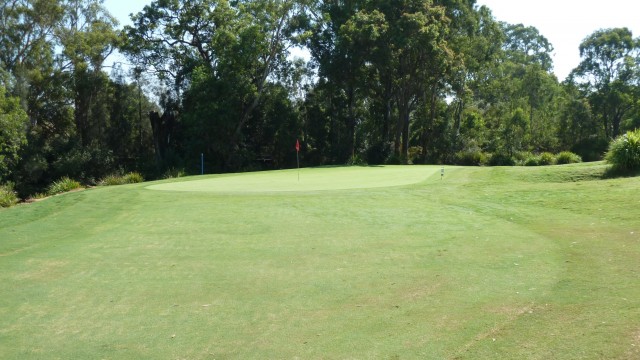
[377, 263]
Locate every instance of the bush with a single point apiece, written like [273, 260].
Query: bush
[624, 152]
[130, 178]
[470, 158]
[547, 158]
[532, 160]
[567, 157]
[173, 173]
[63, 185]
[8, 197]
[501, 159]
[356, 160]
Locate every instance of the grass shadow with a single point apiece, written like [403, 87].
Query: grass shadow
[615, 172]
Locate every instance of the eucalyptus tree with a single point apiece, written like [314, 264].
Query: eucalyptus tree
[87, 36]
[217, 58]
[609, 73]
[13, 121]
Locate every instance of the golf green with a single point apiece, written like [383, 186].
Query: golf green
[310, 179]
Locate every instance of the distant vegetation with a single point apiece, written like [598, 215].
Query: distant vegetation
[212, 80]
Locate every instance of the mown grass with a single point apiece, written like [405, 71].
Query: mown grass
[487, 263]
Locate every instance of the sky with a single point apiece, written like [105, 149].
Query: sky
[565, 23]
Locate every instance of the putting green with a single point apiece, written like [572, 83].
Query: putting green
[311, 179]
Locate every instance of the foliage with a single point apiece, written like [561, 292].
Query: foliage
[608, 73]
[547, 158]
[501, 159]
[356, 160]
[63, 185]
[567, 157]
[531, 160]
[173, 173]
[470, 158]
[13, 121]
[624, 152]
[8, 196]
[384, 81]
[117, 179]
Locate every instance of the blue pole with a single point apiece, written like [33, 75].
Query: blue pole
[201, 163]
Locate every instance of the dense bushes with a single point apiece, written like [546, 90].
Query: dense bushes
[624, 152]
[478, 158]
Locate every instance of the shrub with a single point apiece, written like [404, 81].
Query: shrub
[172, 173]
[8, 197]
[130, 178]
[547, 158]
[356, 160]
[470, 158]
[532, 160]
[63, 185]
[501, 159]
[567, 157]
[624, 152]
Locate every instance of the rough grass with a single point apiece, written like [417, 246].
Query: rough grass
[487, 263]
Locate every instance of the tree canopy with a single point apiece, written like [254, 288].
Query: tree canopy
[402, 81]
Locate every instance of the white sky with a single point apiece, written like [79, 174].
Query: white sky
[565, 23]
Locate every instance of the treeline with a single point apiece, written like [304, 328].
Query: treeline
[388, 81]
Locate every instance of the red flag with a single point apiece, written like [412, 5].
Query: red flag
[297, 145]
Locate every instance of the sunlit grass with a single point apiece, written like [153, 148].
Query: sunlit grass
[486, 263]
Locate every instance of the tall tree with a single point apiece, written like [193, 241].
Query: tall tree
[609, 72]
[13, 122]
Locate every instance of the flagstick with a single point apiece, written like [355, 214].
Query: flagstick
[298, 160]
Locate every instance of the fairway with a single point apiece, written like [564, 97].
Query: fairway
[313, 179]
[346, 263]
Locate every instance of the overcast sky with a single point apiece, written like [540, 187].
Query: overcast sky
[565, 23]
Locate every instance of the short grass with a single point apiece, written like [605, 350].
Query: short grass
[488, 263]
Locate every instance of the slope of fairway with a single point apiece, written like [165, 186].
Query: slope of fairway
[487, 263]
[310, 179]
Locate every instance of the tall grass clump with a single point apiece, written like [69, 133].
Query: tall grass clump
[8, 197]
[470, 158]
[63, 185]
[531, 160]
[567, 157]
[173, 173]
[114, 179]
[547, 158]
[624, 152]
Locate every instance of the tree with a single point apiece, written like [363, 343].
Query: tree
[609, 73]
[217, 59]
[13, 122]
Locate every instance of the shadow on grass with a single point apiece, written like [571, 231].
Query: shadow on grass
[614, 173]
